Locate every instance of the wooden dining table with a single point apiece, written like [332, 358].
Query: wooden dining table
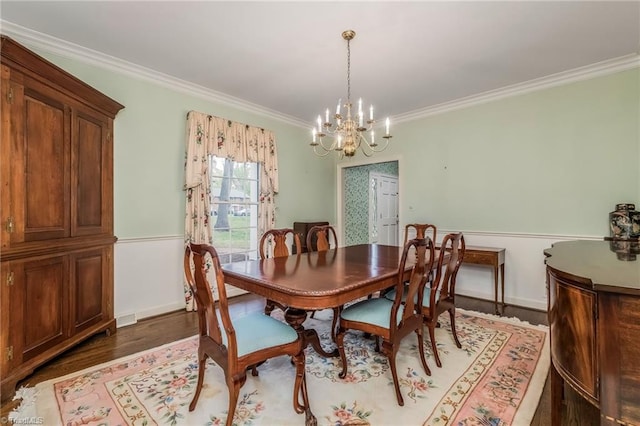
[319, 280]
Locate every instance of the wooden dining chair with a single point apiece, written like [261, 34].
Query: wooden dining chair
[325, 239]
[237, 344]
[392, 320]
[440, 297]
[324, 236]
[421, 230]
[278, 243]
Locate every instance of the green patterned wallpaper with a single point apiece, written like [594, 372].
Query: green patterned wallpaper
[356, 199]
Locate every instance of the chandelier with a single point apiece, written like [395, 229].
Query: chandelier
[350, 131]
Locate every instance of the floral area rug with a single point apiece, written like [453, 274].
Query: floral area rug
[495, 379]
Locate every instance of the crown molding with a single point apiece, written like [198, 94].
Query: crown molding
[66, 49]
[47, 43]
[599, 69]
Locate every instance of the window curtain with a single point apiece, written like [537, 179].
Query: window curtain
[209, 135]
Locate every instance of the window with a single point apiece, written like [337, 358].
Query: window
[234, 209]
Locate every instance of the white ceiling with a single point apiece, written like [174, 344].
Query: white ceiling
[290, 57]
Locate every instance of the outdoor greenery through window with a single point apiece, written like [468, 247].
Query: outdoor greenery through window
[234, 208]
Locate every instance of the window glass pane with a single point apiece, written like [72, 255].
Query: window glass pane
[234, 209]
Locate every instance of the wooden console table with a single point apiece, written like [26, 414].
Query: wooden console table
[594, 323]
[489, 256]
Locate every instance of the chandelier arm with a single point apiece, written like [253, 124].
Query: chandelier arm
[319, 154]
[380, 147]
[366, 154]
[377, 148]
[330, 148]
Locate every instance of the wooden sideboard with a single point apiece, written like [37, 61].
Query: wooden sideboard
[594, 321]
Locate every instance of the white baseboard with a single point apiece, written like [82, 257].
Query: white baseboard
[516, 301]
[125, 320]
[159, 310]
[130, 319]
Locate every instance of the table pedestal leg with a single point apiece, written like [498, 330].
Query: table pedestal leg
[295, 318]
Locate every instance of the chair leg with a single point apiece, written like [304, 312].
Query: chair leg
[391, 355]
[299, 386]
[313, 313]
[343, 355]
[234, 385]
[202, 362]
[452, 316]
[334, 322]
[300, 390]
[421, 349]
[269, 307]
[432, 336]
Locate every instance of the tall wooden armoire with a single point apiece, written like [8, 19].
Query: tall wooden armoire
[56, 212]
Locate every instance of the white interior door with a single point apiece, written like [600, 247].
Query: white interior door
[383, 209]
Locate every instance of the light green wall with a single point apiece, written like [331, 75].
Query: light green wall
[554, 161]
[149, 155]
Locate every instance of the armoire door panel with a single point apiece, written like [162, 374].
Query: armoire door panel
[89, 164]
[45, 169]
[44, 304]
[7, 336]
[6, 142]
[88, 284]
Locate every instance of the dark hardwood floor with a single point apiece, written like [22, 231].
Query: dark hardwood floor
[156, 331]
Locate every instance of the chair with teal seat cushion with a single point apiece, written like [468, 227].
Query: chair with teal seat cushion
[421, 230]
[256, 331]
[426, 298]
[443, 299]
[239, 343]
[323, 238]
[444, 284]
[278, 242]
[392, 320]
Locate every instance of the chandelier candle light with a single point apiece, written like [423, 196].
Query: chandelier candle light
[349, 132]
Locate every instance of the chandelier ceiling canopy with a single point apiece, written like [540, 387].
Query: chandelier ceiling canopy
[350, 130]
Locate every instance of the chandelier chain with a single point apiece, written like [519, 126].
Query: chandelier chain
[349, 71]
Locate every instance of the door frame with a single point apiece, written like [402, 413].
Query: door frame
[340, 188]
